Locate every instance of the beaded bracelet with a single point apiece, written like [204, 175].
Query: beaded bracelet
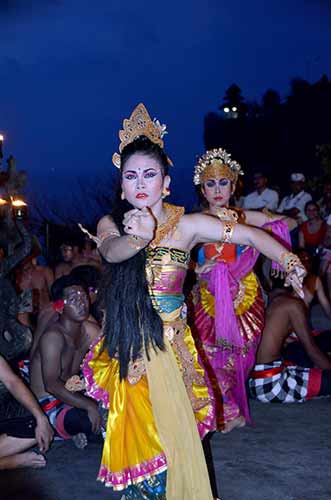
[289, 261]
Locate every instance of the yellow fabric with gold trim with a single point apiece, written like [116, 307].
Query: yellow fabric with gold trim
[200, 392]
[248, 288]
[131, 437]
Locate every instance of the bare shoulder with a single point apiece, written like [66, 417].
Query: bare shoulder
[52, 337]
[61, 269]
[256, 218]
[188, 224]
[91, 329]
[195, 218]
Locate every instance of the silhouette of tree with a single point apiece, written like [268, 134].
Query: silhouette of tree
[233, 97]
[270, 101]
[234, 101]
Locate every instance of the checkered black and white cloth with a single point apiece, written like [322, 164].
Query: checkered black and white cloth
[290, 385]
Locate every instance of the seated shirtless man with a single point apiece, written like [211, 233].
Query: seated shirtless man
[57, 357]
[274, 381]
[88, 276]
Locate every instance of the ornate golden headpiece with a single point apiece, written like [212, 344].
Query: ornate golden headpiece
[138, 124]
[216, 163]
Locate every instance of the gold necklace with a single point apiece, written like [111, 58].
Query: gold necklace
[173, 215]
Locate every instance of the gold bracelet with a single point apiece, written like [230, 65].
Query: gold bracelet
[136, 242]
[227, 232]
[289, 261]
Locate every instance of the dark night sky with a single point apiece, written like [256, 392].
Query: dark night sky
[70, 72]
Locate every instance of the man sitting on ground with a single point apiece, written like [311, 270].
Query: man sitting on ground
[57, 358]
[88, 277]
[22, 423]
[274, 381]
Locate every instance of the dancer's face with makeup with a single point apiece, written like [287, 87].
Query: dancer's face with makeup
[217, 191]
[143, 181]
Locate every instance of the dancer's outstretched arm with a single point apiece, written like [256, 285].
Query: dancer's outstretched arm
[207, 228]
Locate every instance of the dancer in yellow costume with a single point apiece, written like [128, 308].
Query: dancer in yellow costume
[144, 368]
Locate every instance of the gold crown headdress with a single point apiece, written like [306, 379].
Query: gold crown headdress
[138, 124]
[216, 163]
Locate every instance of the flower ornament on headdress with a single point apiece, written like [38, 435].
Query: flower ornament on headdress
[140, 123]
[216, 163]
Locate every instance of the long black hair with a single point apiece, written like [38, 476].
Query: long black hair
[130, 320]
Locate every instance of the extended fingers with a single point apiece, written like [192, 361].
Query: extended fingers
[295, 280]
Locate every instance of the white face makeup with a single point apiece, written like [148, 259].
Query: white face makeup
[217, 191]
[142, 181]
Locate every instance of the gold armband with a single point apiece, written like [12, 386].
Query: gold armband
[136, 242]
[106, 234]
[227, 232]
[103, 236]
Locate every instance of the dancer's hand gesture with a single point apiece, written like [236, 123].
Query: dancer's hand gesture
[295, 279]
[140, 223]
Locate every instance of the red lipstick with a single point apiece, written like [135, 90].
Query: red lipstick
[141, 196]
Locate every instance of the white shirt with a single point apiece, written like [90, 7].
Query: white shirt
[295, 201]
[267, 199]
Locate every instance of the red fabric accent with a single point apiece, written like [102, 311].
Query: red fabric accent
[227, 254]
[267, 373]
[52, 404]
[314, 383]
[60, 423]
[289, 363]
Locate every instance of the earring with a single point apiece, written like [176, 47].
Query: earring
[122, 196]
[165, 192]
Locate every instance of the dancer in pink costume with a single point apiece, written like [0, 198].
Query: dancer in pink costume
[227, 313]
